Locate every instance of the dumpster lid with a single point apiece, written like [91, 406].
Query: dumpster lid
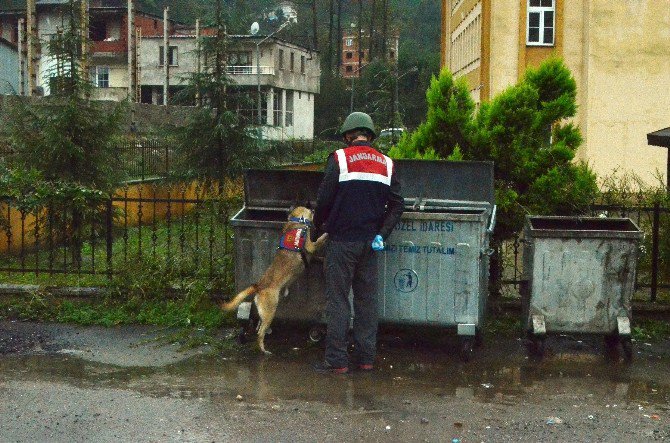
[276, 188]
[433, 183]
[582, 227]
[447, 181]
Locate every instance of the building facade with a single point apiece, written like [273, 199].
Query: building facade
[618, 52]
[351, 52]
[289, 77]
[289, 74]
[9, 68]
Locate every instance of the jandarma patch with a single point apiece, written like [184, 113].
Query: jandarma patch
[293, 239]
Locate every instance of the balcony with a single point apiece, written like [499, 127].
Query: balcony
[111, 47]
[250, 70]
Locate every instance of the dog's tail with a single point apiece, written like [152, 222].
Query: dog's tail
[239, 298]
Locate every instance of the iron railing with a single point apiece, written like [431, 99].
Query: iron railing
[182, 229]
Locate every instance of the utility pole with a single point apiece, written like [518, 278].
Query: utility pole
[331, 12]
[371, 44]
[166, 53]
[83, 30]
[136, 64]
[339, 34]
[132, 44]
[22, 59]
[31, 44]
[198, 67]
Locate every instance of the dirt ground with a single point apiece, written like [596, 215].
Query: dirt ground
[69, 383]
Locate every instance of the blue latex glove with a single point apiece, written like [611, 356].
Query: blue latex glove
[378, 243]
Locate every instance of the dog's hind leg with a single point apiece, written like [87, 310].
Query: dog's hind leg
[266, 303]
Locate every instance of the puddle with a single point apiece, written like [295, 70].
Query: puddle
[405, 373]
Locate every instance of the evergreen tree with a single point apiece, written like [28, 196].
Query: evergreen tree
[523, 131]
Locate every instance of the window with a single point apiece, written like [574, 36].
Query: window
[277, 107]
[239, 59]
[302, 64]
[349, 42]
[350, 69]
[247, 105]
[289, 108]
[541, 20]
[281, 59]
[100, 76]
[292, 63]
[392, 55]
[172, 56]
[349, 55]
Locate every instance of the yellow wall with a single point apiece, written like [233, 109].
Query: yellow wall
[619, 54]
[150, 211]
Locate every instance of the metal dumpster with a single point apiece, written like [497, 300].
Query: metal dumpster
[268, 195]
[579, 277]
[434, 270]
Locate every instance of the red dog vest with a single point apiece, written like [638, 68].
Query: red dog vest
[293, 239]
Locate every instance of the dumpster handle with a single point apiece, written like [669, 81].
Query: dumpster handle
[492, 224]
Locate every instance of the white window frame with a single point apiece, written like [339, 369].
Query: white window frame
[96, 71]
[349, 42]
[171, 49]
[542, 10]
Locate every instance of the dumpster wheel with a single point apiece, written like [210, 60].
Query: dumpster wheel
[612, 342]
[536, 346]
[317, 333]
[249, 328]
[627, 346]
[467, 349]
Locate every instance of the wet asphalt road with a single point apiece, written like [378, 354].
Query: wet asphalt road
[68, 383]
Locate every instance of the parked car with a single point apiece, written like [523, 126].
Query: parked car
[388, 137]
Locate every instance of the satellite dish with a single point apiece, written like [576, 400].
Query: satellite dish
[255, 28]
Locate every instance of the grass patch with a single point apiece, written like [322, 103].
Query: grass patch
[505, 325]
[203, 315]
[651, 330]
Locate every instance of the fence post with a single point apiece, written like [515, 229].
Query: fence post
[654, 251]
[108, 235]
[142, 164]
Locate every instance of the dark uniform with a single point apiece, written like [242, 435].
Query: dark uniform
[358, 199]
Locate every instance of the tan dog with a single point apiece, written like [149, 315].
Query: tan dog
[285, 268]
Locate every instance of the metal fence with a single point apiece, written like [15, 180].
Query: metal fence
[185, 229]
[146, 158]
[182, 230]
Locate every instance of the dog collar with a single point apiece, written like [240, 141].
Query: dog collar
[302, 220]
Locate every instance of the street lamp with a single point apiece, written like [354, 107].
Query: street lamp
[254, 30]
[396, 104]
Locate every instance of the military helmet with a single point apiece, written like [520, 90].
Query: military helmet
[358, 120]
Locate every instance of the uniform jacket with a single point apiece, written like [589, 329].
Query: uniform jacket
[359, 196]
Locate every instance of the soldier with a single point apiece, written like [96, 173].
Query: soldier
[358, 205]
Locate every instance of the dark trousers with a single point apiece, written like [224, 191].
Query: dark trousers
[351, 265]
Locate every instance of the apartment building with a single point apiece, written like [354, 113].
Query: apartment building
[289, 74]
[352, 51]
